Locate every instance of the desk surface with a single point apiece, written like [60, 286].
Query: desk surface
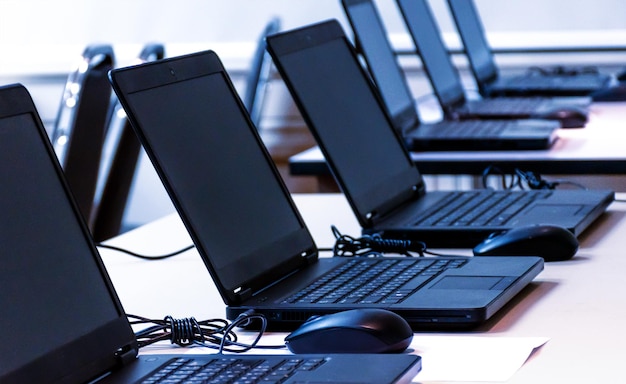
[594, 149]
[578, 304]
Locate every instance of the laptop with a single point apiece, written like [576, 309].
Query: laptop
[570, 82]
[62, 318]
[448, 87]
[375, 171]
[371, 41]
[245, 226]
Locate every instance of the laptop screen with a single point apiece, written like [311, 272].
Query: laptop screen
[473, 36]
[342, 109]
[53, 291]
[384, 68]
[437, 62]
[230, 198]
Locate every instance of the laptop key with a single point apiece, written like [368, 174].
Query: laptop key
[384, 282]
[516, 207]
[231, 371]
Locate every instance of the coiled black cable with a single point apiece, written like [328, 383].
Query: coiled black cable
[214, 333]
[524, 180]
[374, 245]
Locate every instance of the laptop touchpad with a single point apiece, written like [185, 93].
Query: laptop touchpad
[467, 282]
[555, 210]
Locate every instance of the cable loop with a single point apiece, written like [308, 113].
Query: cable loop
[184, 331]
[215, 333]
[373, 245]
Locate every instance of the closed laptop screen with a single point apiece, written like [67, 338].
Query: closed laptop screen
[218, 176]
[52, 291]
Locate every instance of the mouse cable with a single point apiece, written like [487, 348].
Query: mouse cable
[491, 170]
[524, 180]
[535, 181]
[375, 246]
[145, 257]
[213, 333]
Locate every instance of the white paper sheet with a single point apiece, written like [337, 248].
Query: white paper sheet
[472, 358]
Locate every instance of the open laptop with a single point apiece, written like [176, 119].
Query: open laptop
[533, 82]
[371, 40]
[241, 217]
[448, 87]
[62, 318]
[375, 171]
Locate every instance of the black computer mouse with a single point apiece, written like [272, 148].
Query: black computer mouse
[551, 242]
[568, 116]
[353, 331]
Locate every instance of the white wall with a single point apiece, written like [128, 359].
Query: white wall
[128, 21]
[44, 37]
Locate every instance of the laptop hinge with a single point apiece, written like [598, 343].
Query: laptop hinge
[126, 355]
[393, 204]
[243, 294]
[310, 257]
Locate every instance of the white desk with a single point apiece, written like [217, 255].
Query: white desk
[596, 149]
[578, 304]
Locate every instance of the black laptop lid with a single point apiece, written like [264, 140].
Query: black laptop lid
[474, 40]
[61, 320]
[443, 75]
[345, 114]
[216, 170]
[372, 42]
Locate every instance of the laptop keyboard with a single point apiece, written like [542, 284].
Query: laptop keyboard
[469, 128]
[480, 208]
[231, 370]
[552, 82]
[382, 281]
[507, 106]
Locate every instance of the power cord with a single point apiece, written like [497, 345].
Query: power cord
[534, 181]
[375, 246]
[491, 170]
[214, 333]
[146, 257]
[524, 180]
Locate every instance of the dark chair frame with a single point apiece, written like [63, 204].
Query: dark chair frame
[107, 222]
[81, 124]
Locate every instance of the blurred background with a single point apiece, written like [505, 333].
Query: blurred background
[41, 42]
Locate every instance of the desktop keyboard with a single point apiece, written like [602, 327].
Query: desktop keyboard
[384, 281]
[231, 370]
[479, 208]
